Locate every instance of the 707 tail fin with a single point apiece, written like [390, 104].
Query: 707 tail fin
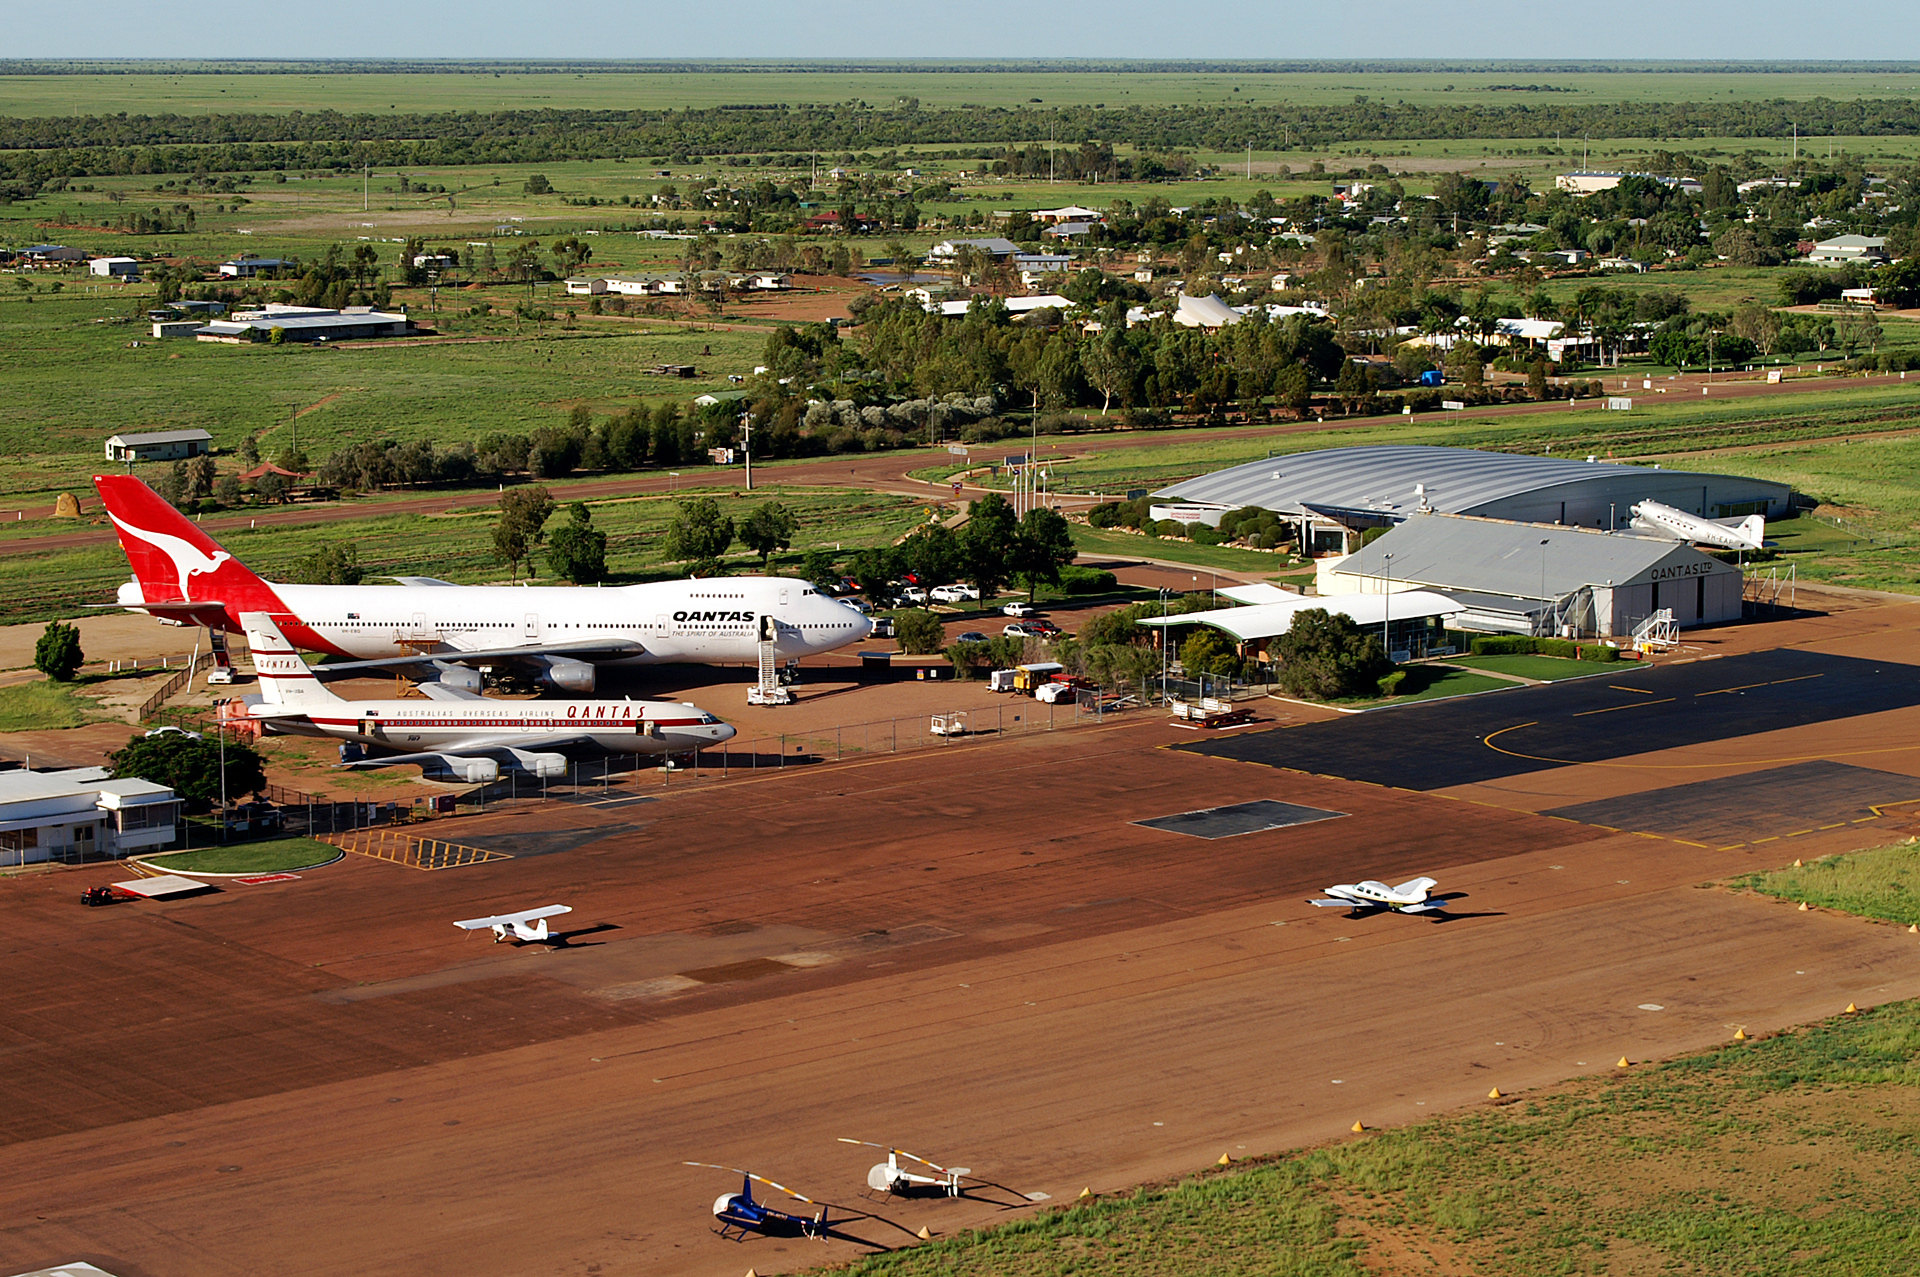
[175, 561]
[285, 678]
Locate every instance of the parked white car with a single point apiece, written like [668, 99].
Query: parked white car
[955, 594]
[915, 595]
[1017, 609]
[861, 606]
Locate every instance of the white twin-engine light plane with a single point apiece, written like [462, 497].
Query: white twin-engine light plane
[560, 634]
[458, 733]
[1365, 897]
[519, 927]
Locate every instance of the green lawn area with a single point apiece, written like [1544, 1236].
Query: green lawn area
[270, 856]
[1526, 665]
[1430, 683]
[1128, 545]
[1882, 882]
[41, 705]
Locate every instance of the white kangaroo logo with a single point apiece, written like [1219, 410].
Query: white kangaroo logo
[188, 560]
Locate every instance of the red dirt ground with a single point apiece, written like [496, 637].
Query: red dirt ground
[969, 951]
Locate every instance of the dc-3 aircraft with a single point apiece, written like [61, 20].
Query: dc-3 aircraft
[519, 927]
[1365, 897]
[1749, 533]
[434, 627]
[458, 733]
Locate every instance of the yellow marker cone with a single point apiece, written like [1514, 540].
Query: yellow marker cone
[1797, 865]
[1803, 906]
[1359, 1127]
[1494, 1094]
[1625, 1063]
[751, 1273]
[1739, 1035]
[1851, 1009]
[923, 1234]
[1085, 1193]
[1226, 1159]
[1913, 929]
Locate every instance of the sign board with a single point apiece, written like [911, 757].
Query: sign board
[1773, 378]
[957, 449]
[956, 487]
[1020, 460]
[1619, 403]
[1453, 405]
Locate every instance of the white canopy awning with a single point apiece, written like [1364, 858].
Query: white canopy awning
[1271, 619]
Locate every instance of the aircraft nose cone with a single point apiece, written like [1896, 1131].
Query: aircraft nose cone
[724, 732]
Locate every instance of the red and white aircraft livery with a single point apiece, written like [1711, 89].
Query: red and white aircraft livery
[461, 734]
[182, 576]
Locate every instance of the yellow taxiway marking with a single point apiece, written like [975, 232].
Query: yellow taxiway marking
[1644, 691]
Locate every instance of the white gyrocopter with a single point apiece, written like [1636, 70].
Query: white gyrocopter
[1413, 896]
[519, 927]
[890, 1177]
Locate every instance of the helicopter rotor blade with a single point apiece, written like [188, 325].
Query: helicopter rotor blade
[758, 1179]
[901, 1152]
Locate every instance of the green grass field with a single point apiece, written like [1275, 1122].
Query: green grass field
[1883, 882]
[40, 706]
[275, 855]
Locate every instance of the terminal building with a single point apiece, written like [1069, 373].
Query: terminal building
[1336, 495]
[81, 814]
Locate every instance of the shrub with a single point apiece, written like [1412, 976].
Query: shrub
[1390, 683]
[919, 632]
[1599, 652]
[1502, 645]
[1567, 649]
[1076, 580]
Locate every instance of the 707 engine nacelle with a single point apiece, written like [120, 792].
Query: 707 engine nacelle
[566, 674]
[539, 765]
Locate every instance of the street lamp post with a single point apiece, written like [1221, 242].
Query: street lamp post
[1386, 609]
[1543, 582]
[746, 445]
[1164, 632]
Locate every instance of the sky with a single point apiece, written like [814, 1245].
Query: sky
[1283, 29]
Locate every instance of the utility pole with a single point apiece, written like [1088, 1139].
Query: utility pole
[746, 446]
[366, 186]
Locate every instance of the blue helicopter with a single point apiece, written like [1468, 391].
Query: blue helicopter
[740, 1211]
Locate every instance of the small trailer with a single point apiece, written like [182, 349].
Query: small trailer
[1210, 711]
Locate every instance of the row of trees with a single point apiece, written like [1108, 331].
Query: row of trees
[81, 146]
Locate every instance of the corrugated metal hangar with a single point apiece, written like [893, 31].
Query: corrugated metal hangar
[1337, 492]
[1534, 578]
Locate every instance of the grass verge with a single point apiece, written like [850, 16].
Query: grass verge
[41, 706]
[274, 855]
[1782, 1156]
[1881, 882]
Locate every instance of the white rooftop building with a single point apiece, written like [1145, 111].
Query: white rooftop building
[81, 814]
